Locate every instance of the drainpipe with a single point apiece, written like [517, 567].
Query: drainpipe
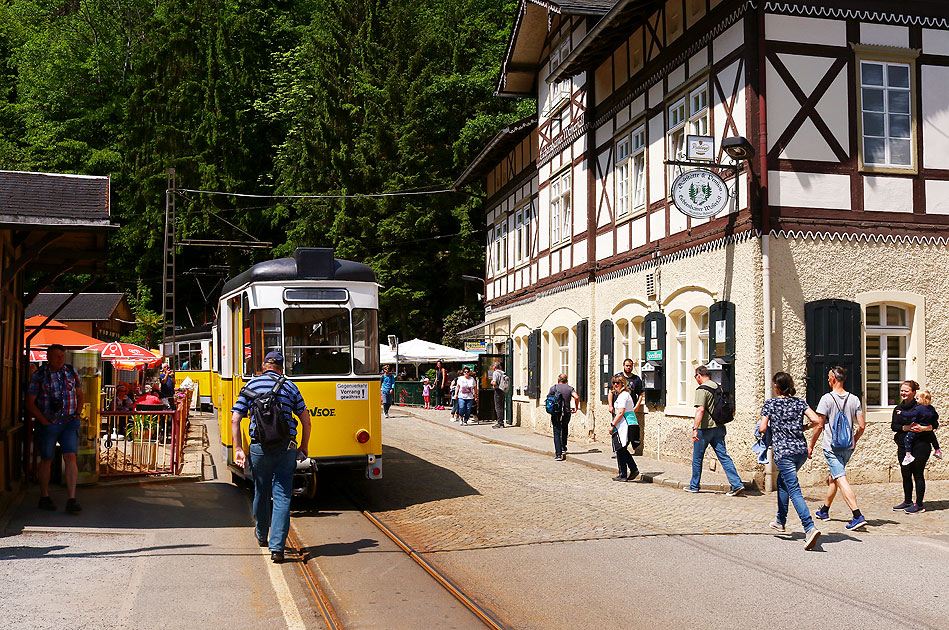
[765, 228]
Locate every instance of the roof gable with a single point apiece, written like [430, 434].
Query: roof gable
[53, 198]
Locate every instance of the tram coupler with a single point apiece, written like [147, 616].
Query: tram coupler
[374, 467]
[304, 478]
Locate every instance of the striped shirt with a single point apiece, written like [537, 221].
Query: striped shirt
[289, 398]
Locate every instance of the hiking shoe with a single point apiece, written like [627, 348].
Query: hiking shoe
[916, 508]
[822, 513]
[73, 507]
[276, 557]
[909, 459]
[688, 489]
[857, 523]
[497, 426]
[261, 542]
[620, 478]
[776, 526]
[902, 506]
[810, 538]
[46, 504]
[734, 492]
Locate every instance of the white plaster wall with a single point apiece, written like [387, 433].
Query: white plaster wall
[809, 190]
[698, 62]
[935, 115]
[937, 196]
[657, 225]
[806, 30]
[884, 35]
[728, 41]
[676, 77]
[781, 104]
[604, 246]
[677, 221]
[887, 194]
[935, 41]
[638, 235]
[607, 186]
[622, 237]
[578, 198]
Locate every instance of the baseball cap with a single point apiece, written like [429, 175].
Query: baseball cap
[275, 357]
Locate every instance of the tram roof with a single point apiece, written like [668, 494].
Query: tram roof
[307, 263]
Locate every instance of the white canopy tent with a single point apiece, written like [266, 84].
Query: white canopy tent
[385, 354]
[419, 351]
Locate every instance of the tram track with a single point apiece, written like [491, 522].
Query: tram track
[324, 601]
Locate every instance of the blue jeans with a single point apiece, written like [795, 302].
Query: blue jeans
[273, 479]
[561, 425]
[464, 408]
[714, 437]
[790, 488]
[66, 433]
[387, 401]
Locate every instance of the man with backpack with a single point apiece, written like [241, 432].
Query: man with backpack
[562, 400]
[271, 400]
[838, 409]
[713, 408]
[501, 383]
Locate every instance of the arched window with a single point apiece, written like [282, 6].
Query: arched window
[701, 320]
[888, 337]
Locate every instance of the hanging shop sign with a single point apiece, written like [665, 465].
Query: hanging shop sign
[700, 193]
[699, 148]
[478, 347]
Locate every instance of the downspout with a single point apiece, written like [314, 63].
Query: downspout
[765, 227]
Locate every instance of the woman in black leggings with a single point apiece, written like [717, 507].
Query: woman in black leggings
[920, 449]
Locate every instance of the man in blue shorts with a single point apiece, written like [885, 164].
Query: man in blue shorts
[54, 398]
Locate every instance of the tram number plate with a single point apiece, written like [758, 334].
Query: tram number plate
[352, 391]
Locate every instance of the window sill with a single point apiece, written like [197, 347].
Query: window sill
[679, 411]
[560, 245]
[879, 414]
[888, 170]
[522, 265]
[638, 212]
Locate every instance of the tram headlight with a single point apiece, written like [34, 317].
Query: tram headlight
[362, 436]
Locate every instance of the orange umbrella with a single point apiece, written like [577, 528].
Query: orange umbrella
[54, 332]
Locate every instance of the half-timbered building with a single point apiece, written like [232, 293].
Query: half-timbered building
[830, 250]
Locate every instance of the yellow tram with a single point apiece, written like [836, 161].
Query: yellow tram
[193, 359]
[321, 312]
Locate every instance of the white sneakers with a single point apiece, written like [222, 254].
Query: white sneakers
[776, 526]
[810, 538]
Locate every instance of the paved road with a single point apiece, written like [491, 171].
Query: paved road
[549, 544]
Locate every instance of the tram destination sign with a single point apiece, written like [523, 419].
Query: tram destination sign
[700, 193]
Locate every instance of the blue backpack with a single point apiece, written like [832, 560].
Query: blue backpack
[554, 403]
[841, 435]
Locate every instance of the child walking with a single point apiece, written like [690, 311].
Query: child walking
[922, 414]
[426, 392]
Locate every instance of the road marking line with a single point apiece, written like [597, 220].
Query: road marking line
[291, 614]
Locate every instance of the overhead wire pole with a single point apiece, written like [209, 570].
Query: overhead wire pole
[168, 274]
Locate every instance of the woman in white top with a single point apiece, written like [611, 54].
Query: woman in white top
[623, 404]
[467, 392]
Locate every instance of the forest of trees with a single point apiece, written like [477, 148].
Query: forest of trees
[268, 97]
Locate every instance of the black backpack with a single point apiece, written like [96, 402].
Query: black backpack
[271, 426]
[723, 405]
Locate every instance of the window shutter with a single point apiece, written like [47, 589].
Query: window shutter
[606, 358]
[583, 359]
[533, 364]
[832, 337]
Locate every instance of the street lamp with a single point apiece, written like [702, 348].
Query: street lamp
[738, 148]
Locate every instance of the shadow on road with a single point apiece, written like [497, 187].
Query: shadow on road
[338, 549]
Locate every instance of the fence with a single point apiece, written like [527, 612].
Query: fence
[142, 442]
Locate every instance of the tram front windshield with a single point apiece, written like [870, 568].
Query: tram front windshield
[317, 341]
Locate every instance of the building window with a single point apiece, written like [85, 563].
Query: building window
[490, 255]
[560, 226]
[641, 340]
[500, 248]
[888, 335]
[682, 370]
[676, 130]
[885, 101]
[698, 112]
[559, 91]
[522, 235]
[563, 342]
[687, 116]
[630, 172]
[622, 178]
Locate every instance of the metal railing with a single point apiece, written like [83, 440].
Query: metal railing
[142, 442]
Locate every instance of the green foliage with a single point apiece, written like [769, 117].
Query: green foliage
[333, 97]
[148, 323]
[463, 317]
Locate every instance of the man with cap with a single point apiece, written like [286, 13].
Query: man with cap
[272, 468]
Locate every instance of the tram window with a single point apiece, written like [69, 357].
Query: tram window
[365, 341]
[265, 336]
[317, 341]
[189, 355]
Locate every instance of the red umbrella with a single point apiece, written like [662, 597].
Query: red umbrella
[36, 356]
[124, 352]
